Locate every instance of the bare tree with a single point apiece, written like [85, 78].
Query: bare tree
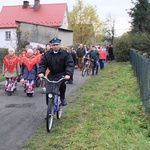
[110, 28]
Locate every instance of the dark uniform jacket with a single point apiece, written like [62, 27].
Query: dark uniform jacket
[58, 63]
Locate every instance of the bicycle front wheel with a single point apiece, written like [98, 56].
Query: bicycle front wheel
[89, 71]
[59, 112]
[50, 115]
[83, 71]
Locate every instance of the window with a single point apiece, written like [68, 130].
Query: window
[7, 35]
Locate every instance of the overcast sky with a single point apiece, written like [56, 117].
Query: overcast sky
[114, 8]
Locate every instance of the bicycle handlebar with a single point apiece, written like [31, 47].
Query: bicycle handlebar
[52, 81]
[89, 59]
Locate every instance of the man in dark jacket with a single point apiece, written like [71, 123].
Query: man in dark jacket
[74, 57]
[60, 63]
[94, 55]
[80, 53]
[39, 48]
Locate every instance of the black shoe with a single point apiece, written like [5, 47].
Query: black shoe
[29, 94]
[71, 82]
[10, 93]
[63, 102]
[67, 82]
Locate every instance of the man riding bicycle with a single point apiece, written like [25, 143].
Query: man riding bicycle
[60, 63]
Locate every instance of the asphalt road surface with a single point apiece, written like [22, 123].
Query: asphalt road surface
[21, 115]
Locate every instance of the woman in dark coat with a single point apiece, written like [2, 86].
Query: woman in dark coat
[29, 72]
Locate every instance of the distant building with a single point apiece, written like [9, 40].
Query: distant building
[36, 23]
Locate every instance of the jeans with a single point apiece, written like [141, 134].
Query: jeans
[95, 65]
[101, 63]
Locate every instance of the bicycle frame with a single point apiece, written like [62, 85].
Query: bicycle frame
[54, 104]
[87, 67]
[88, 64]
[54, 97]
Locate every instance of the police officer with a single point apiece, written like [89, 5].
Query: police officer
[59, 62]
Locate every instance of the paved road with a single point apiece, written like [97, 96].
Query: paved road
[21, 115]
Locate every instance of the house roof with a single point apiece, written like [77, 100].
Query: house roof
[48, 14]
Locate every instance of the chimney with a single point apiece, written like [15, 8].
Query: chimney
[36, 4]
[25, 4]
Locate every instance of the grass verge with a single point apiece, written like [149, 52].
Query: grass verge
[105, 113]
[2, 78]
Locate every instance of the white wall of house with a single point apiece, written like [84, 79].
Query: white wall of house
[65, 21]
[34, 45]
[36, 34]
[8, 43]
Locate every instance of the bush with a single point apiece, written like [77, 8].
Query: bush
[3, 52]
[2, 78]
[122, 46]
[140, 42]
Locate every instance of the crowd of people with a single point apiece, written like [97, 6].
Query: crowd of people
[97, 54]
[52, 61]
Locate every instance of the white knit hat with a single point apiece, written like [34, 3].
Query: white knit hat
[30, 51]
[11, 49]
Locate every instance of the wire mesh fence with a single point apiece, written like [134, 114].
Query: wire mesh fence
[141, 68]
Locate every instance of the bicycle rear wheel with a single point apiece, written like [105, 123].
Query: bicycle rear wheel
[59, 112]
[50, 115]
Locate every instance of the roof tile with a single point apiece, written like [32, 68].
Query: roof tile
[47, 15]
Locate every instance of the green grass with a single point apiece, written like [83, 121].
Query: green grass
[2, 78]
[105, 113]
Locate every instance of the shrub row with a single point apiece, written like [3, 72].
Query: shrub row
[122, 45]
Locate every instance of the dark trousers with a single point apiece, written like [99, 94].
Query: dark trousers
[101, 63]
[94, 66]
[62, 90]
[71, 79]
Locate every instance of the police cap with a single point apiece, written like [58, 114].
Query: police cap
[55, 41]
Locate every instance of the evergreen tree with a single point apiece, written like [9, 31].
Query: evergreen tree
[140, 15]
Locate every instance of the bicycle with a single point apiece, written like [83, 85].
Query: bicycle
[87, 67]
[54, 105]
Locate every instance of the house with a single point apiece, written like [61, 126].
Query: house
[37, 23]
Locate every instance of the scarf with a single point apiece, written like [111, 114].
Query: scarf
[29, 61]
[10, 62]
